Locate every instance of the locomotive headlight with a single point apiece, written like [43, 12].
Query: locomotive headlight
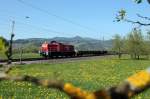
[47, 53]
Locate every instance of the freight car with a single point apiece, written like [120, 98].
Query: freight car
[90, 53]
[56, 49]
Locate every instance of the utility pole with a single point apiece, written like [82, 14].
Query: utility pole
[103, 44]
[21, 51]
[9, 53]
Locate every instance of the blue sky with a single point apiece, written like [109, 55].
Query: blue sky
[95, 16]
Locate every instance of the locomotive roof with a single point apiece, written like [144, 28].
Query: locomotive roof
[59, 43]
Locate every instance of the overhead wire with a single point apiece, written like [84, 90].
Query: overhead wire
[37, 27]
[46, 29]
[57, 16]
[43, 28]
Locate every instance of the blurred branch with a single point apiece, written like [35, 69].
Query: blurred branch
[148, 1]
[121, 16]
[137, 22]
[140, 1]
[147, 18]
[123, 91]
[120, 92]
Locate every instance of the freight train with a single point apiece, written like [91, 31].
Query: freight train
[57, 49]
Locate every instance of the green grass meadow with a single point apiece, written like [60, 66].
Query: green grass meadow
[24, 56]
[89, 75]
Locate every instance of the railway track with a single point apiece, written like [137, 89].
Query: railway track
[51, 60]
[27, 59]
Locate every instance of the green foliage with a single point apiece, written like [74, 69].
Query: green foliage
[121, 15]
[29, 48]
[148, 35]
[3, 45]
[136, 45]
[133, 44]
[147, 42]
[117, 44]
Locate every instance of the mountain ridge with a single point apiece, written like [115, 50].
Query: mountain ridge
[80, 43]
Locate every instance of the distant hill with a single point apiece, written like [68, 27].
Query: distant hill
[80, 43]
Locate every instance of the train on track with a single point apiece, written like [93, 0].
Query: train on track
[57, 49]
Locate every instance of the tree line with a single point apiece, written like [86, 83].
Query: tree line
[134, 43]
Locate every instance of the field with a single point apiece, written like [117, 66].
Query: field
[24, 56]
[89, 75]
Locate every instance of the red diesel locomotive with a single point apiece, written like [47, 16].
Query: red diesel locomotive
[56, 49]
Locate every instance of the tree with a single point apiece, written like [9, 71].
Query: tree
[9, 51]
[117, 45]
[147, 41]
[135, 44]
[3, 45]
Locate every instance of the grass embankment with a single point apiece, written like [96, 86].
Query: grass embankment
[24, 56]
[90, 75]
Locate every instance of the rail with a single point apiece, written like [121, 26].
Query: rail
[35, 59]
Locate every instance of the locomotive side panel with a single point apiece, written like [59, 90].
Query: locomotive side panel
[69, 50]
[54, 49]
